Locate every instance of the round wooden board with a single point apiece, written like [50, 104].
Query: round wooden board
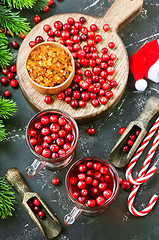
[121, 65]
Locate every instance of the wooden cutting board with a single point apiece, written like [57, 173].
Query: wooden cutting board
[118, 16]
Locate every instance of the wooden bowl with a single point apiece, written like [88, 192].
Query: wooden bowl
[58, 88]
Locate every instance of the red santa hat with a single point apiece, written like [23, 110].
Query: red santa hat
[145, 64]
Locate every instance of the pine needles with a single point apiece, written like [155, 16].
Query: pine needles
[5, 55]
[7, 199]
[20, 4]
[13, 22]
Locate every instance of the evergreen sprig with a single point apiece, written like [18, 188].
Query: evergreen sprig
[7, 108]
[2, 131]
[5, 54]
[7, 199]
[11, 21]
[20, 4]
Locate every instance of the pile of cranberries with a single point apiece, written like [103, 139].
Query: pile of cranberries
[35, 206]
[91, 183]
[94, 74]
[130, 140]
[8, 78]
[52, 136]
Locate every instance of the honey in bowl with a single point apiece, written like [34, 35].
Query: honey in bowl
[50, 67]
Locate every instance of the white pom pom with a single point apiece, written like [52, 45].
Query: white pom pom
[141, 85]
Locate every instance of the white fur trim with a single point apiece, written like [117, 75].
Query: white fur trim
[153, 73]
[141, 85]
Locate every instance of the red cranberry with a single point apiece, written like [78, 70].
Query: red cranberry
[120, 180]
[45, 145]
[15, 45]
[7, 94]
[93, 27]
[89, 164]
[13, 68]
[5, 71]
[85, 96]
[31, 205]
[74, 103]
[65, 34]
[46, 8]
[32, 133]
[94, 102]
[58, 25]
[96, 70]
[46, 27]
[8, 33]
[2, 30]
[89, 173]
[37, 19]
[37, 125]
[22, 35]
[55, 181]
[132, 137]
[50, 3]
[82, 103]
[77, 25]
[82, 200]
[88, 180]
[109, 94]
[137, 132]
[84, 192]
[60, 141]
[91, 131]
[36, 202]
[74, 31]
[113, 84]
[107, 193]
[13, 83]
[36, 209]
[67, 147]
[10, 75]
[54, 136]
[45, 131]
[62, 133]
[45, 120]
[54, 148]
[48, 139]
[97, 175]
[50, 33]
[4, 81]
[73, 180]
[106, 27]
[67, 26]
[125, 185]
[60, 95]
[81, 184]
[107, 178]
[70, 20]
[103, 100]
[76, 94]
[82, 168]
[55, 155]
[111, 45]
[70, 137]
[62, 121]
[90, 42]
[82, 20]
[75, 195]
[33, 141]
[46, 153]
[125, 148]
[54, 127]
[41, 214]
[110, 70]
[104, 170]
[100, 200]
[94, 191]
[130, 142]
[53, 118]
[122, 130]
[32, 44]
[95, 183]
[68, 127]
[90, 34]
[39, 39]
[98, 38]
[105, 57]
[47, 99]
[81, 176]
[102, 186]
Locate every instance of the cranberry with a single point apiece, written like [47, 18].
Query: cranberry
[70, 137]
[7, 94]
[102, 186]
[81, 53]
[122, 130]
[15, 45]
[91, 203]
[98, 38]
[90, 42]
[89, 164]
[84, 30]
[82, 168]
[82, 103]
[74, 103]
[125, 185]
[50, 39]
[107, 193]
[50, 3]
[2, 30]
[62, 133]
[60, 95]
[55, 155]
[137, 132]
[76, 94]
[113, 84]
[88, 180]
[82, 200]
[39, 39]
[31, 205]
[107, 178]
[32, 133]
[85, 96]
[90, 34]
[54, 136]
[67, 147]
[81, 184]
[93, 95]
[47, 99]
[103, 65]
[98, 61]
[110, 70]
[94, 102]
[5, 71]
[82, 20]
[54, 127]
[41, 214]
[65, 34]
[46, 27]
[37, 125]
[81, 176]
[50, 33]
[77, 65]
[45, 145]
[55, 181]
[54, 148]
[60, 141]
[75, 195]
[10, 75]
[130, 142]
[61, 121]
[111, 45]
[70, 20]
[36, 209]
[61, 41]
[46, 8]
[46, 153]
[109, 94]
[67, 99]
[106, 27]
[22, 35]
[36, 202]
[37, 19]
[53, 118]
[100, 200]
[8, 33]
[67, 26]
[89, 173]
[13, 83]
[58, 25]
[105, 57]
[33, 141]
[74, 31]
[57, 33]
[73, 180]
[125, 148]
[4, 81]
[120, 180]
[48, 139]
[97, 175]
[76, 47]
[103, 100]
[93, 27]
[84, 192]
[94, 191]
[104, 170]
[96, 70]
[132, 137]
[78, 71]
[45, 131]
[13, 68]
[77, 25]
[109, 78]
[95, 183]
[32, 44]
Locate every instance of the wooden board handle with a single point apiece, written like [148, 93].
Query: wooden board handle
[151, 108]
[122, 12]
[14, 177]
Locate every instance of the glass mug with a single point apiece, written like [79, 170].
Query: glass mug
[93, 187]
[41, 128]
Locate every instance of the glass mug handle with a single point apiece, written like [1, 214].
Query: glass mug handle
[72, 216]
[34, 168]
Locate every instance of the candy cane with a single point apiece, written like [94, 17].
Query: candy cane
[132, 163]
[146, 210]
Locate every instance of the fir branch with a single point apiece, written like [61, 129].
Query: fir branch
[40, 4]
[20, 4]
[2, 131]
[13, 22]
[5, 54]
[7, 108]
[7, 199]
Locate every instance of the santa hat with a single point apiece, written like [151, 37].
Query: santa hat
[145, 64]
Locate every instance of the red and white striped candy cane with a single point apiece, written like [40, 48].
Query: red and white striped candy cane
[146, 210]
[142, 177]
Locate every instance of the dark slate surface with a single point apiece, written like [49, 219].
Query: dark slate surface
[116, 222]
